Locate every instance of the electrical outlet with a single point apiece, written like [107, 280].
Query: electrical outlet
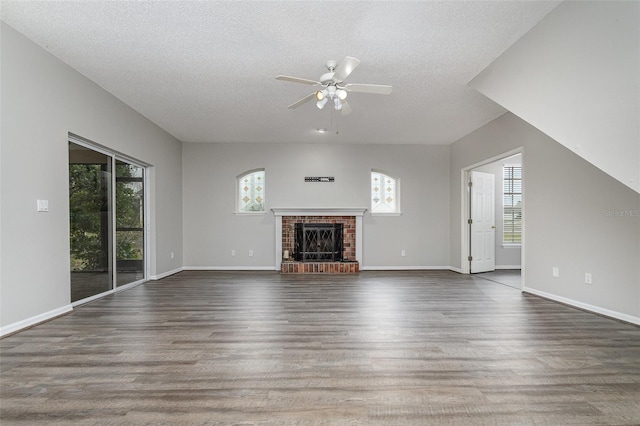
[172, 255]
[555, 271]
[588, 278]
[42, 205]
[403, 253]
[250, 253]
[233, 252]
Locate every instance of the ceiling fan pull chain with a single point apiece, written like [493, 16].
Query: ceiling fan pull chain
[331, 122]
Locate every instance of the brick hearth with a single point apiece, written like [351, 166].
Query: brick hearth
[293, 267]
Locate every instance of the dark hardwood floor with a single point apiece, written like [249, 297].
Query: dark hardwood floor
[510, 277]
[378, 348]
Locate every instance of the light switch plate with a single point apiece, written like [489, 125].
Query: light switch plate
[43, 205]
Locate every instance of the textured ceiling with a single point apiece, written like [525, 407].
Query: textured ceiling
[205, 71]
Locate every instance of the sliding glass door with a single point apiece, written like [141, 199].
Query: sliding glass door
[106, 206]
[90, 201]
[129, 223]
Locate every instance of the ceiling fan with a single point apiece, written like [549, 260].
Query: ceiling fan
[331, 86]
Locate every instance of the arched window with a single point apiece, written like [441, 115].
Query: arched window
[385, 193]
[251, 191]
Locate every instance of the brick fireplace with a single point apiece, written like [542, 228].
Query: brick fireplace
[351, 220]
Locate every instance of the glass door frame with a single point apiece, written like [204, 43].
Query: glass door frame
[120, 159]
[114, 157]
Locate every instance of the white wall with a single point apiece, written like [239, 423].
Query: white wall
[507, 257]
[576, 77]
[212, 230]
[577, 218]
[42, 100]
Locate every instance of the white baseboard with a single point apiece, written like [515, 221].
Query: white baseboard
[585, 306]
[404, 268]
[230, 268]
[508, 266]
[129, 286]
[454, 269]
[29, 322]
[165, 274]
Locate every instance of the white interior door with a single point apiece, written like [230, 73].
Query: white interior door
[483, 229]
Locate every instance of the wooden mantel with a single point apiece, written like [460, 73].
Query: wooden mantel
[356, 212]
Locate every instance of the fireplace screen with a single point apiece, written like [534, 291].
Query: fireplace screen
[317, 242]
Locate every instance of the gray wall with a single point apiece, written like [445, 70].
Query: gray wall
[42, 100]
[507, 257]
[576, 76]
[212, 230]
[572, 219]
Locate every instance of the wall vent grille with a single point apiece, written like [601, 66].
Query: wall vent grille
[320, 179]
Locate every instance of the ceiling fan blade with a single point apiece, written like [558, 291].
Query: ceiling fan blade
[303, 100]
[345, 68]
[297, 80]
[378, 89]
[346, 109]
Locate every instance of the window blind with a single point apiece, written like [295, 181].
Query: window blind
[512, 205]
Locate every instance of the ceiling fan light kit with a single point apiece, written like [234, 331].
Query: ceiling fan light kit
[320, 104]
[332, 87]
[331, 92]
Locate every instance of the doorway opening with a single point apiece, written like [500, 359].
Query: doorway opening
[493, 217]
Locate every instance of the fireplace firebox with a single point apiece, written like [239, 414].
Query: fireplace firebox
[318, 242]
